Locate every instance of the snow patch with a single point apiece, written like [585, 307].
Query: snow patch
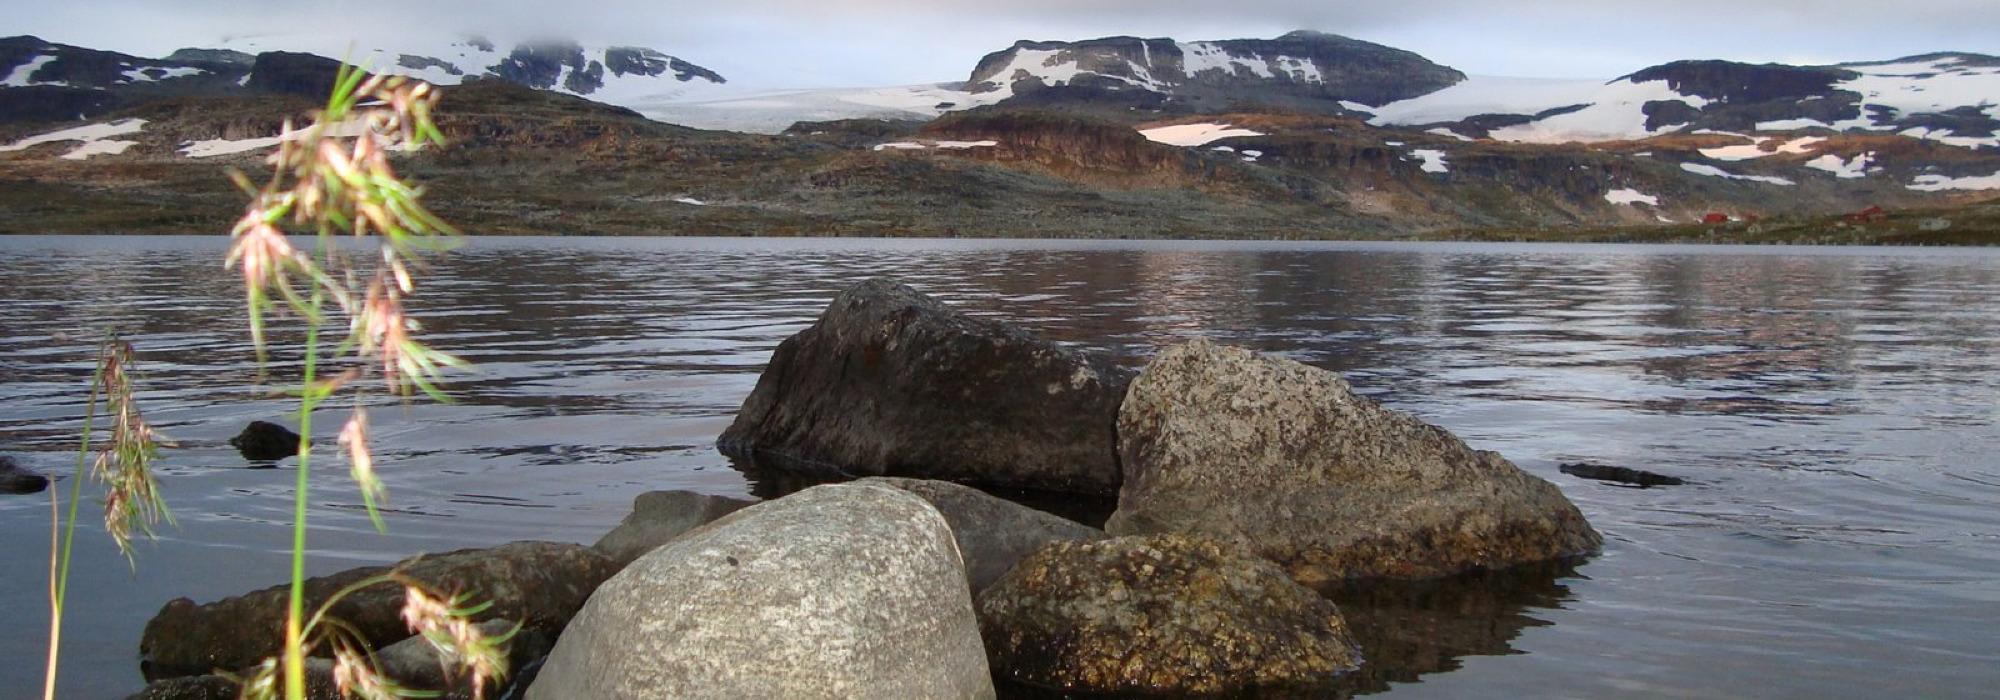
[221, 147]
[145, 75]
[88, 134]
[1487, 95]
[1755, 149]
[104, 147]
[1616, 113]
[23, 75]
[1444, 131]
[691, 201]
[1846, 169]
[1434, 160]
[1940, 183]
[1628, 195]
[1194, 134]
[1712, 171]
[900, 146]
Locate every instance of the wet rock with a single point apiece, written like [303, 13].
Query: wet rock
[658, 517]
[1623, 475]
[17, 479]
[845, 590]
[1160, 614]
[1287, 460]
[541, 584]
[265, 442]
[412, 663]
[890, 382]
[993, 534]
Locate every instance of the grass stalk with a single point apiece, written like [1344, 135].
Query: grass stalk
[59, 557]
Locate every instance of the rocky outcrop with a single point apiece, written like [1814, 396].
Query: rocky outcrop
[540, 584]
[846, 590]
[1163, 614]
[1287, 460]
[890, 382]
[658, 517]
[16, 479]
[263, 441]
[993, 534]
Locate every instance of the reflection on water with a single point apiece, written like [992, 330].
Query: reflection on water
[1834, 409]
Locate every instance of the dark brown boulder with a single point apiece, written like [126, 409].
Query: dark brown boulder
[263, 441]
[16, 479]
[658, 517]
[890, 382]
[993, 533]
[540, 584]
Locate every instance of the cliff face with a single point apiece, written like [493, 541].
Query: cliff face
[1305, 70]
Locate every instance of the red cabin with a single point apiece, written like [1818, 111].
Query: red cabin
[1715, 217]
[1867, 215]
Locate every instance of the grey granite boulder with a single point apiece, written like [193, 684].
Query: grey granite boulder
[845, 590]
[1287, 460]
[540, 584]
[890, 382]
[658, 517]
[1161, 614]
[993, 534]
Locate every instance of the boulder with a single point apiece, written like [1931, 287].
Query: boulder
[658, 517]
[993, 534]
[1287, 460]
[261, 441]
[890, 382]
[845, 590]
[16, 479]
[540, 584]
[1160, 614]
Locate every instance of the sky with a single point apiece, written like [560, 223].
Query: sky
[847, 43]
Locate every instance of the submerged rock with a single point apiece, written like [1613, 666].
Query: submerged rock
[265, 442]
[540, 584]
[846, 590]
[17, 479]
[1287, 460]
[993, 534]
[890, 382]
[1161, 614]
[658, 517]
[1623, 475]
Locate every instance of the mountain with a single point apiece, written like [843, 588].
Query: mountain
[46, 81]
[1952, 98]
[1303, 69]
[1306, 135]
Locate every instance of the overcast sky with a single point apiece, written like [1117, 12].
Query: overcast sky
[824, 43]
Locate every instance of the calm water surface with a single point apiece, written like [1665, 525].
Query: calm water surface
[1836, 408]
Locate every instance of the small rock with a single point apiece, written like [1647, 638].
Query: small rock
[993, 534]
[658, 517]
[1161, 614]
[1623, 475]
[412, 663]
[889, 382]
[1287, 460]
[541, 584]
[845, 590]
[16, 479]
[266, 442]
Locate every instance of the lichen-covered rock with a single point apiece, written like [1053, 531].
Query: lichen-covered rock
[540, 584]
[845, 590]
[1160, 614]
[1287, 460]
[658, 517]
[993, 534]
[890, 382]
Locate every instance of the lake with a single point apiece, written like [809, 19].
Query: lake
[1834, 409]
